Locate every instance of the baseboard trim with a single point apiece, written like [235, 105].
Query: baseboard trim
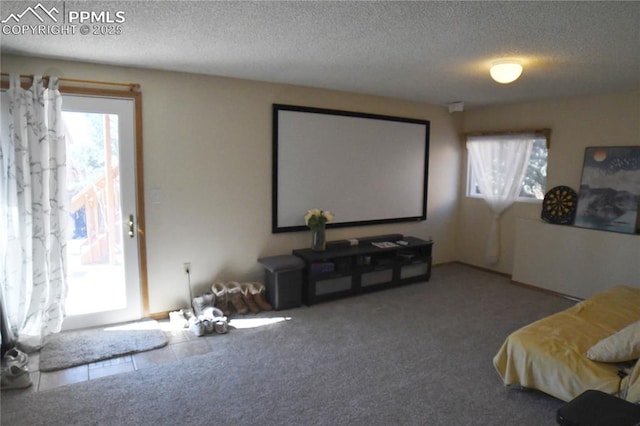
[165, 314]
[520, 284]
[159, 315]
[547, 291]
[492, 271]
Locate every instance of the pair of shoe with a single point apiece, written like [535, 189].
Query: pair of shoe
[15, 373]
[243, 297]
[181, 318]
[207, 319]
[205, 325]
[253, 295]
[222, 297]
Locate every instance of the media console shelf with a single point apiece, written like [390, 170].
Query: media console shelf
[346, 271]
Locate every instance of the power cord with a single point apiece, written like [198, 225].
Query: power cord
[187, 270]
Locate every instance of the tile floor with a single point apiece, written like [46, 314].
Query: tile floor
[182, 344]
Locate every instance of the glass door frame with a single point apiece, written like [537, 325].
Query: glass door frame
[136, 96]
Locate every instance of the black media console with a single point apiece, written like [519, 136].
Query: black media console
[345, 271]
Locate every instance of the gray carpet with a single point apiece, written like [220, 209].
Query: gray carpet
[416, 355]
[71, 348]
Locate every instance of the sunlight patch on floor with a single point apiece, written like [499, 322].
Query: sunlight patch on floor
[237, 323]
[256, 322]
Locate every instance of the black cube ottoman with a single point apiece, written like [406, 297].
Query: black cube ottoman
[283, 279]
[595, 408]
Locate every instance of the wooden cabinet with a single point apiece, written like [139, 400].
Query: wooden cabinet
[347, 271]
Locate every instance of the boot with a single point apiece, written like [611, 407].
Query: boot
[221, 298]
[247, 297]
[258, 291]
[200, 303]
[235, 296]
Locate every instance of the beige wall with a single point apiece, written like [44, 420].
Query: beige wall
[207, 148]
[576, 123]
[575, 261]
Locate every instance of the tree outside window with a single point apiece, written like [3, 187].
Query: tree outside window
[534, 185]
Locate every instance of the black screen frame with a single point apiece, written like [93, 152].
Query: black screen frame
[280, 228]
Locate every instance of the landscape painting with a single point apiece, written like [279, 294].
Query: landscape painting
[609, 196]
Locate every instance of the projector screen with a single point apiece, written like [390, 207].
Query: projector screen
[366, 169]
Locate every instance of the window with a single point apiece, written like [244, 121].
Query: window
[534, 184]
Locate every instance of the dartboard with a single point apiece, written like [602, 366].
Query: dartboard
[559, 205]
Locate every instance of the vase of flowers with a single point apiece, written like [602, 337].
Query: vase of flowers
[316, 220]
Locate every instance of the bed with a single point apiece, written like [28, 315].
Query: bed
[578, 349]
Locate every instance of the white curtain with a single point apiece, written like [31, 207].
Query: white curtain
[33, 213]
[499, 163]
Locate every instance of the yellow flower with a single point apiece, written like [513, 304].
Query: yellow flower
[316, 218]
[328, 215]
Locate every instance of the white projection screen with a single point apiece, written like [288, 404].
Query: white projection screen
[364, 168]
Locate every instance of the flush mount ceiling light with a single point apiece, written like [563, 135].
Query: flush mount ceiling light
[506, 71]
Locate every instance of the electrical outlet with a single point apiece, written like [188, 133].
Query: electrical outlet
[187, 267]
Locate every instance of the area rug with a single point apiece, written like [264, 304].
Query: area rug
[77, 347]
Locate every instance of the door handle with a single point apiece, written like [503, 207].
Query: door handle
[132, 233]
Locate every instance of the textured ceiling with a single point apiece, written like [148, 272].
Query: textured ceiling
[435, 52]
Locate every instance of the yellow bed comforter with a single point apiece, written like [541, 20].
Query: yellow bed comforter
[549, 354]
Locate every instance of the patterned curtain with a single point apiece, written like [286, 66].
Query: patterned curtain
[33, 213]
[499, 164]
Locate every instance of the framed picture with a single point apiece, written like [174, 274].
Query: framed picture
[609, 197]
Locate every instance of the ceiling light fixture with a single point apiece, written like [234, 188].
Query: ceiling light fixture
[505, 71]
